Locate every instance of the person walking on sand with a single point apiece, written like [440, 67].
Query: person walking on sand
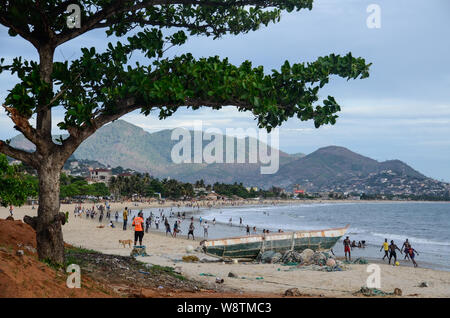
[248, 230]
[191, 230]
[347, 249]
[11, 210]
[385, 246]
[166, 223]
[138, 228]
[125, 218]
[392, 252]
[117, 216]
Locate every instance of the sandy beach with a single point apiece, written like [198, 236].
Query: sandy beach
[262, 278]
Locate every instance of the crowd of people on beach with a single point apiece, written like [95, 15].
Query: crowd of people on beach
[142, 226]
[103, 211]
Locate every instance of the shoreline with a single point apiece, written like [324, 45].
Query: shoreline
[252, 278]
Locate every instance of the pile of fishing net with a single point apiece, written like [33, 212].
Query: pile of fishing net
[357, 261]
[307, 259]
[366, 291]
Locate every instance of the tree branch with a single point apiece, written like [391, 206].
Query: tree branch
[18, 154]
[120, 6]
[23, 33]
[22, 124]
[79, 134]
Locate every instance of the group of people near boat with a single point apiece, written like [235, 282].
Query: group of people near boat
[390, 250]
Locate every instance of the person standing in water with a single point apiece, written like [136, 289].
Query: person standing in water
[392, 252]
[385, 246]
[347, 248]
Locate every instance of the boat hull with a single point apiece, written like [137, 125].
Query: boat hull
[248, 247]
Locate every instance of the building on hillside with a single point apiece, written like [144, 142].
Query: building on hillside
[298, 190]
[99, 175]
[212, 196]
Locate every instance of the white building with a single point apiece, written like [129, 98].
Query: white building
[100, 175]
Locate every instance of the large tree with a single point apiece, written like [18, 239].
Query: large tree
[99, 87]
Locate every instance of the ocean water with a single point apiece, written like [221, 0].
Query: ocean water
[426, 225]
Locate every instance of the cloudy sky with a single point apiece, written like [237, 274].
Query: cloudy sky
[401, 112]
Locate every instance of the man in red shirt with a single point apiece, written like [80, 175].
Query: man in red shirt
[138, 228]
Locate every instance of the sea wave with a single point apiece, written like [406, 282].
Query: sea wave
[412, 239]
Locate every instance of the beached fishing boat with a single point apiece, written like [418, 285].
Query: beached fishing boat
[248, 247]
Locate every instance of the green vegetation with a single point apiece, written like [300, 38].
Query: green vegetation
[15, 186]
[78, 186]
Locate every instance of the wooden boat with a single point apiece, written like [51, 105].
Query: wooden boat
[248, 247]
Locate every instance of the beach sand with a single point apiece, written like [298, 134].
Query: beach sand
[276, 279]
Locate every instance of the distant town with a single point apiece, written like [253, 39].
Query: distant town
[383, 185]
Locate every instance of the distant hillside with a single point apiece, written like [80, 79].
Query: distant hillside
[330, 168]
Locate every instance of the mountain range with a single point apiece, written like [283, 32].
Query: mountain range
[330, 168]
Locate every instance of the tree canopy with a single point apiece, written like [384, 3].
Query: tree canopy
[102, 86]
[99, 87]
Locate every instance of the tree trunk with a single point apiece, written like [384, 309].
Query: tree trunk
[49, 238]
